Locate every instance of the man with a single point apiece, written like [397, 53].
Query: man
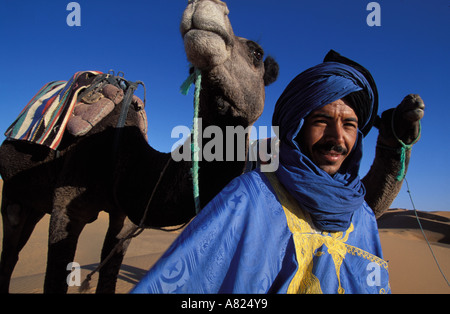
[303, 229]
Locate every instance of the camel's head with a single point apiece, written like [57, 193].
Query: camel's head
[406, 122]
[233, 71]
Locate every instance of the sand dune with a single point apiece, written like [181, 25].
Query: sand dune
[411, 265]
[412, 268]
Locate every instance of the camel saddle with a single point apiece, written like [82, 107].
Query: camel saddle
[75, 106]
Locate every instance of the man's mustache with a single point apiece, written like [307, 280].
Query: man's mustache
[330, 146]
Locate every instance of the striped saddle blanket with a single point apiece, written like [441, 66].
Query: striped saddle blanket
[44, 119]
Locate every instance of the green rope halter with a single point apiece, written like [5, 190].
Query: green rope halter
[194, 78]
[404, 147]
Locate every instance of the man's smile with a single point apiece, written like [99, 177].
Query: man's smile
[327, 156]
[329, 153]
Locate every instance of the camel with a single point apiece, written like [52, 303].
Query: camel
[83, 177]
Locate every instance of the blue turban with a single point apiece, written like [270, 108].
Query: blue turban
[330, 200]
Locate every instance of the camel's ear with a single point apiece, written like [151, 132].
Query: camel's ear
[271, 68]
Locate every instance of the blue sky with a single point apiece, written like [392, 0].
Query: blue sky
[408, 53]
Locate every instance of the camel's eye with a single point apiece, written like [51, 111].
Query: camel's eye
[258, 55]
[255, 52]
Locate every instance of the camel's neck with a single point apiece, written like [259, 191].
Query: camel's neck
[222, 157]
[222, 142]
[383, 175]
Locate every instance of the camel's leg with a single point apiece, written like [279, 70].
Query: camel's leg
[18, 224]
[66, 224]
[60, 254]
[119, 227]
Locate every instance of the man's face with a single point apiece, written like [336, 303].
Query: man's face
[328, 135]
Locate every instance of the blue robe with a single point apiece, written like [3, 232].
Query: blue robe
[254, 238]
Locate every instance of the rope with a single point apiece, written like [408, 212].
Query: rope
[423, 233]
[197, 78]
[194, 78]
[404, 147]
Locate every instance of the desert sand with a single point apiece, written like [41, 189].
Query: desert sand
[411, 266]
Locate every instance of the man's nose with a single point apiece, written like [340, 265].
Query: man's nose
[335, 132]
